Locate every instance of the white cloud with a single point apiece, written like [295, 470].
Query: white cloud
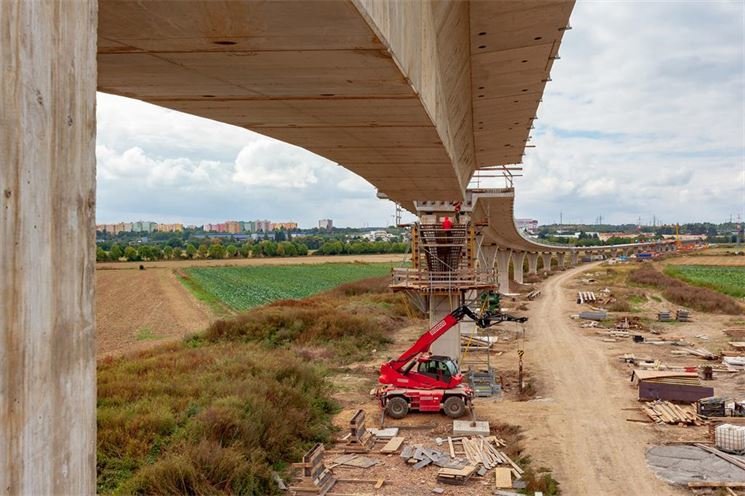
[274, 164]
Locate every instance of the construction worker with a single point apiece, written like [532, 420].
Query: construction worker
[447, 224]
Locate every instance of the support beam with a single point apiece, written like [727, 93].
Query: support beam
[47, 247]
[532, 263]
[518, 262]
[449, 343]
[487, 257]
[503, 270]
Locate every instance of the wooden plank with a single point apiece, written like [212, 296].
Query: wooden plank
[503, 477]
[452, 449]
[393, 445]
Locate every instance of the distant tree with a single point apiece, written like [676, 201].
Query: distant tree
[116, 252]
[217, 251]
[279, 235]
[231, 250]
[191, 250]
[168, 252]
[175, 243]
[204, 250]
[178, 253]
[145, 252]
[130, 253]
[245, 249]
[101, 255]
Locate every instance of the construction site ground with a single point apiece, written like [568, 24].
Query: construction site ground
[575, 419]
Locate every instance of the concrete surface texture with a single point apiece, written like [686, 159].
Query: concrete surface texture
[681, 464]
[47, 250]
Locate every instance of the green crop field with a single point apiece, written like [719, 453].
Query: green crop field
[727, 280]
[241, 288]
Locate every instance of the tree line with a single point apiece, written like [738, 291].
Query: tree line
[214, 249]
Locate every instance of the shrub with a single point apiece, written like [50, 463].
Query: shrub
[678, 292]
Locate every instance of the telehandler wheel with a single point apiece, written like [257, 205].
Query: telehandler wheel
[397, 407]
[454, 407]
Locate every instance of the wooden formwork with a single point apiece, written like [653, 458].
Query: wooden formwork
[359, 440]
[315, 477]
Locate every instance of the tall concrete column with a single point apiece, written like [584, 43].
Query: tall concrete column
[546, 262]
[487, 257]
[560, 258]
[47, 247]
[449, 343]
[532, 263]
[503, 270]
[518, 261]
[574, 258]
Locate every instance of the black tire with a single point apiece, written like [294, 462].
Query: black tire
[397, 407]
[454, 407]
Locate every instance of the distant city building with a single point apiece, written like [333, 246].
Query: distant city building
[285, 226]
[249, 226]
[529, 225]
[377, 236]
[326, 224]
[170, 227]
[606, 236]
[264, 226]
[143, 226]
[233, 227]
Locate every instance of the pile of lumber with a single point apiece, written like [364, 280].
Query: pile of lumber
[665, 316]
[664, 412]
[485, 451]
[586, 296]
[682, 315]
[701, 353]
[534, 294]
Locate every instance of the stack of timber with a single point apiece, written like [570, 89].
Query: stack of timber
[534, 294]
[682, 315]
[586, 297]
[359, 440]
[701, 353]
[665, 316]
[315, 477]
[474, 343]
[664, 412]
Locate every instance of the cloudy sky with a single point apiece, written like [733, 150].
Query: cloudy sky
[645, 117]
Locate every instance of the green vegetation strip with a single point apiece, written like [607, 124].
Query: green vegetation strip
[727, 280]
[241, 288]
[194, 418]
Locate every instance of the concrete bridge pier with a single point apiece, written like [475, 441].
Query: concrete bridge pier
[560, 258]
[533, 263]
[47, 247]
[518, 262]
[449, 343]
[546, 262]
[487, 257]
[503, 270]
[574, 258]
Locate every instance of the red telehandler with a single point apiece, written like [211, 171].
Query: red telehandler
[420, 381]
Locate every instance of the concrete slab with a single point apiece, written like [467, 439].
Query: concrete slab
[681, 464]
[470, 428]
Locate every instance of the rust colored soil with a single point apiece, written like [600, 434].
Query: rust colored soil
[136, 309]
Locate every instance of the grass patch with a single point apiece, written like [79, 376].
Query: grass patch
[242, 288]
[727, 280]
[681, 293]
[182, 420]
[211, 300]
[146, 334]
[346, 326]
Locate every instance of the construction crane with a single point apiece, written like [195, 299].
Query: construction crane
[420, 381]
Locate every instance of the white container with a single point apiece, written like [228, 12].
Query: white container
[731, 438]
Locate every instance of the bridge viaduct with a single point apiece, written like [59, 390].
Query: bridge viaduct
[413, 96]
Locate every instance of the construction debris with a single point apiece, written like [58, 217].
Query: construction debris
[470, 428]
[702, 353]
[710, 407]
[669, 413]
[670, 385]
[456, 476]
[665, 316]
[359, 440]
[682, 315]
[315, 477]
[352, 460]
[586, 297]
[594, 315]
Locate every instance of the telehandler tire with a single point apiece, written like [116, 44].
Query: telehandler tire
[454, 407]
[397, 407]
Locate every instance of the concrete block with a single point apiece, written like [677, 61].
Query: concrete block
[470, 428]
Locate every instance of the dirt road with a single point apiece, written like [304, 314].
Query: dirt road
[580, 428]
